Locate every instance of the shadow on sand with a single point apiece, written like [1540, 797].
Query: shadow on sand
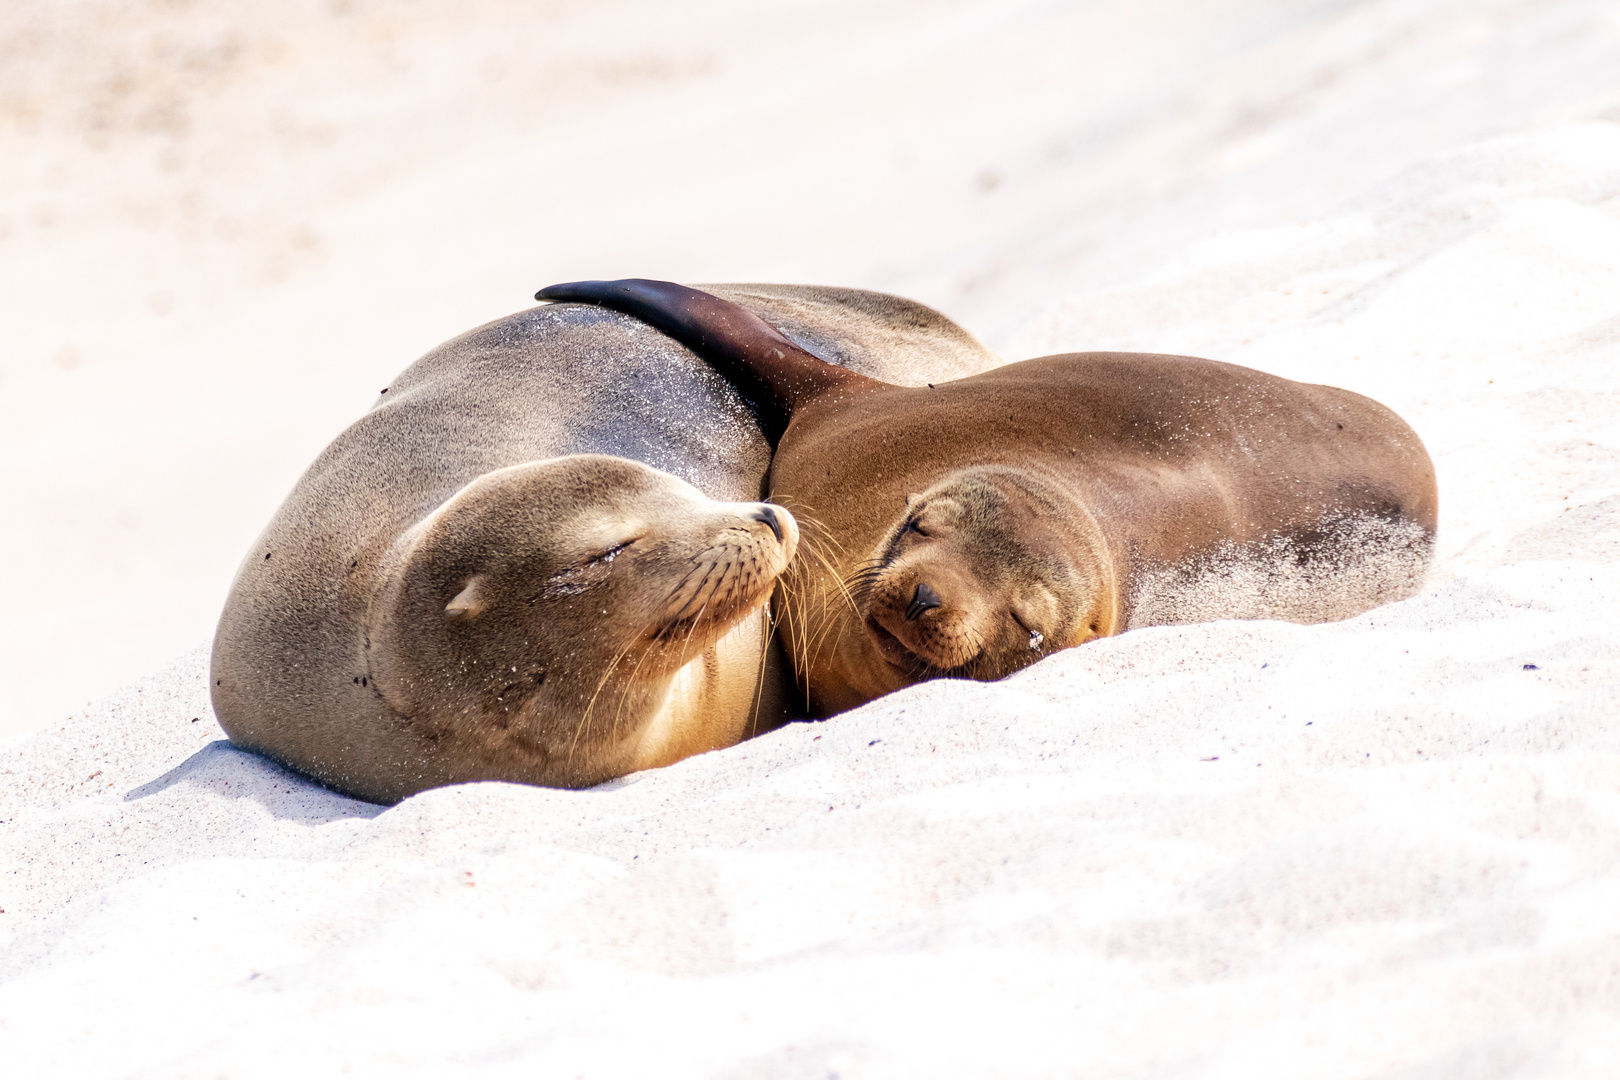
[223, 769]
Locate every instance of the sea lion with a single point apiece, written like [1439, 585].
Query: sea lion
[979, 524]
[540, 557]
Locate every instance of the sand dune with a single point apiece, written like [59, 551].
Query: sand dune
[1388, 847]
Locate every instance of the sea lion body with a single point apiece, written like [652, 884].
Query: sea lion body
[538, 558]
[979, 524]
[1152, 490]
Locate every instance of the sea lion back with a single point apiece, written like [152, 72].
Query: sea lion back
[875, 334]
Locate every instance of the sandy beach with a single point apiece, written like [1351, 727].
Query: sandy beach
[1383, 848]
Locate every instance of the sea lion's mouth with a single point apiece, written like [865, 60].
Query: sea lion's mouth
[719, 617]
[718, 611]
[893, 650]
[906, 660]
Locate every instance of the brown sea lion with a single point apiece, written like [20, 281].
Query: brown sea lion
[539, 557]
[976, 525]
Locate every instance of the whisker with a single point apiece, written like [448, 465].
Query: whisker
[629, 684]
[759, 673]
[794, 617]
[585, 718]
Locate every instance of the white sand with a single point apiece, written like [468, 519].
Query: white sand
[1385, 848]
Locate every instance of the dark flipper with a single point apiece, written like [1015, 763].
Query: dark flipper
[774, 375]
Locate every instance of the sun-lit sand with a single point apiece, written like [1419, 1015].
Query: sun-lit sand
[1383, 848]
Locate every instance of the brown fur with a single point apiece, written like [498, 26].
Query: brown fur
[1049, 502]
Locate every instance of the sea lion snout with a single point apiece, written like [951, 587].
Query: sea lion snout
[979, 625]
[921, 629]
[777, 541]
[749, 545]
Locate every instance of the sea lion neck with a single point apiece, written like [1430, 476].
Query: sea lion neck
[911, 437]
[775, 376]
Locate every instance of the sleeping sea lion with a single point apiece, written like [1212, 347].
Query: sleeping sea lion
[976, 525]
[540, 557]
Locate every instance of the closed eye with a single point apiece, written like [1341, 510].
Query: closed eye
[573, 580]
[912, 526]
[609, 555]
[1029, 631]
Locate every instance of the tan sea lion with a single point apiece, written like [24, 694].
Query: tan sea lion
[539, 557]
[976, 525]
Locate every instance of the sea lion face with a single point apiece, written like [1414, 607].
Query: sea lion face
[550, 603]
[982, 575]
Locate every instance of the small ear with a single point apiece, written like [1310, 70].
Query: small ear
[469, 603]
[911, 500]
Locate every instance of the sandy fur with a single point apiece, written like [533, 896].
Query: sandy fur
[1363, 561]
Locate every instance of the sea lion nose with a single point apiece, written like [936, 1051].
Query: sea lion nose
[768, 516]
[922, 600]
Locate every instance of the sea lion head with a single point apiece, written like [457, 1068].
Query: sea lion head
[984, 573]
[545, 607]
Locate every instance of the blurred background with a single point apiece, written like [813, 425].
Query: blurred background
[225, 225]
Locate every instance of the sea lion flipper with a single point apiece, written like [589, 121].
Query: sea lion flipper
[773, 374]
